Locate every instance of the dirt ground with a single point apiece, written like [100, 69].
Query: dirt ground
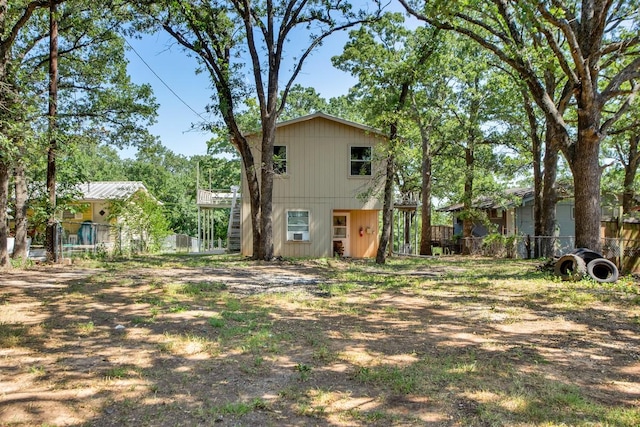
[114, 347]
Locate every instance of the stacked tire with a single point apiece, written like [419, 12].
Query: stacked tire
[580, 262]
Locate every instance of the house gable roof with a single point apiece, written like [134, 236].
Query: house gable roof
[321, 115]
[110, 190]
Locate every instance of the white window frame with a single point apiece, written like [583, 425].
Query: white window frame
[285, 162]
[351, 160]
[298, 234]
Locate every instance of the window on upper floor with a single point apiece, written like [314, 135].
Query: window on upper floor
[298, 226]
[280, 159]
[360, 164]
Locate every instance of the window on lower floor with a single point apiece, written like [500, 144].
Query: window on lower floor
[360, 161]
[298, 226]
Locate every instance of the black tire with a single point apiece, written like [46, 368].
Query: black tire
[603, 271]
[570, 268]
[586, 254]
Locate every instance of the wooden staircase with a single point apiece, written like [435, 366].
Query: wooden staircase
[234, 235]
[212, 199]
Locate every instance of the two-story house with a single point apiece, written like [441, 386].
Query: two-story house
[323, 203]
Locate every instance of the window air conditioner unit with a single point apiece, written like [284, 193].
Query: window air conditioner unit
[297, 236]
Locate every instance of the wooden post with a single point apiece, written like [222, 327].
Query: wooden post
[620, 236]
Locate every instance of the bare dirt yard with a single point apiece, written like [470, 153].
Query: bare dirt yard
[223, 341]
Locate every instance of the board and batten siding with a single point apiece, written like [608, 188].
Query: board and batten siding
[317, 180]
[564, 219]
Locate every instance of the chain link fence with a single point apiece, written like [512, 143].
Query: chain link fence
[180, 243]
[89, 237]
[86, 237]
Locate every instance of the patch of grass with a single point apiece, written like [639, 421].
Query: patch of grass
[37, 370]
[85, 328]
[260, 341]
[239, 409]
[119, 372]
[322, 353]
[339, 289]
[178, 308]
[194, 289]
[152, 300]
[541, 401]
[255, 366]
[188, 344]
[241, 316]
[216, 322]
[11, 335]
[303, 370]
[397, 379]
[572, 298]
[370, 417]
[203, 288]
[307, 409]
[232, 304]
[140, 320]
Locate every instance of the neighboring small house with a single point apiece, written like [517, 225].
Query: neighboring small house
[323, 166]
[513, 214]
[92, 223]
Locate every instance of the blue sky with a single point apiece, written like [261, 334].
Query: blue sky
[177, 70]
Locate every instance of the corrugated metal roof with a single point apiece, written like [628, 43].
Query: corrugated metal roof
[110, 190]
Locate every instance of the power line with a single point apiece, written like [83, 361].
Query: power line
[164, 83]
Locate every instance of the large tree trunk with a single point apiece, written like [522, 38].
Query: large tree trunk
[425, 234]
[549, 193]
[4, 167]
[536, 153]
[467, 220]
[20, 248]
[387, 210]
[253, 185]
[585, 166]
[52, 225]
[4, 200]
[630, 171]
[586, 181]
[265, 248]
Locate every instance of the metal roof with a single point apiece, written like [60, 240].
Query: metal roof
[110, 190]
[519, 194]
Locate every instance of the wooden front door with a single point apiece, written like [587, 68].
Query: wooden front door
[340, 234]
